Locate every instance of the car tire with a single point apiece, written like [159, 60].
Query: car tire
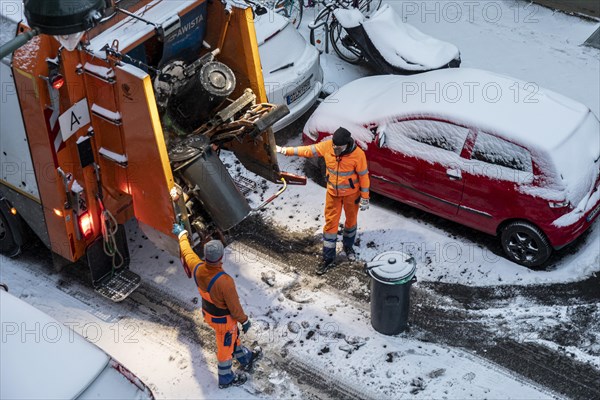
[525, 244]
[8, 245]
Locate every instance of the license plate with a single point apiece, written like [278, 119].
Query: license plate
[299, 91]
[593, 213]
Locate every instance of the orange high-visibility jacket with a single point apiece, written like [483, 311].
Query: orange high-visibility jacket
[346, 175]
[223, 293]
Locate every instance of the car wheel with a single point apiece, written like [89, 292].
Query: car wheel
[8, 246]
[525, 244]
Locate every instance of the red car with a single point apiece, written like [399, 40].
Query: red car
[490, 152]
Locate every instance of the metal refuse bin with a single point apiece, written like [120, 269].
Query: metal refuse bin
[392, 274]
[215, 188]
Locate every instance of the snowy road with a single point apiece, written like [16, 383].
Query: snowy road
[464, 342]
[547, 333]
[309, 332]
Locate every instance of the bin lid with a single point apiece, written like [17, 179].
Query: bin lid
[392, 267]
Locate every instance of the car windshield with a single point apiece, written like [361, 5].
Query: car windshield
[576, 159]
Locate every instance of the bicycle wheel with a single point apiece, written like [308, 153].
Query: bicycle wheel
[343, 44]
[291, 9]
[368, 7]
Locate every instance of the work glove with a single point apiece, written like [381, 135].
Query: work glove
[246, 325]
[364, 204]
[179, 230]
[174, 194]
[280, 149]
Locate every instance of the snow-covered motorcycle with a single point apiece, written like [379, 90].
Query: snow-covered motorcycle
[383, 40]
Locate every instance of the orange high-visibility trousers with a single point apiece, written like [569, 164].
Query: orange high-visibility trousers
[228, 345]
[227, 335]
[333, 212]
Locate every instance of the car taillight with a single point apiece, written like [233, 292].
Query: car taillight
[85, 224]
[558, 204]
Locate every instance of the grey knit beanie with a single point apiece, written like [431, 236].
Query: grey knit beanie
[213, 251]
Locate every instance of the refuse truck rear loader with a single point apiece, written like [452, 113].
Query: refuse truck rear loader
[104, 125]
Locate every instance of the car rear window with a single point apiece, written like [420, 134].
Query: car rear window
[497, 151]
[577, 159]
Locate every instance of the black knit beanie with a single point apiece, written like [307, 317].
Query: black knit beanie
[341, 137]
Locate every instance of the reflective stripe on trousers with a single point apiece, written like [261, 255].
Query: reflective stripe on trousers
[349, 236]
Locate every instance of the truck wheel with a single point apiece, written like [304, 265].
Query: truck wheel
[8, 246]
[525, 244]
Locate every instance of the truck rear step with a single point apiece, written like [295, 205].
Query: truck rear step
[111, 282]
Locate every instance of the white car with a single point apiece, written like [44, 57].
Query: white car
[43, 359]
[291, 68]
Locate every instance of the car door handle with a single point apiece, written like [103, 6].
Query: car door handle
[454, 174]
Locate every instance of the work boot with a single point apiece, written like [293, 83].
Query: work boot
[238, 380]
[324, 266]
[256, 355]
[350, 253]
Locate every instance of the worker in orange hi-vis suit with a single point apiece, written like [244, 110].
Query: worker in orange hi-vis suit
[221, 307]
[347, 187]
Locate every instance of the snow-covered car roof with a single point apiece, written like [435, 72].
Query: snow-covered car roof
[519, 111]
[42, 358]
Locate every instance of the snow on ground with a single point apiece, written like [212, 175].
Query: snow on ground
[167, 362]
[305, 323]
[529, 323]
[334, 336]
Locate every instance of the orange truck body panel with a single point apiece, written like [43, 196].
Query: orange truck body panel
[34, 101]
[148, 171]
[139, 186]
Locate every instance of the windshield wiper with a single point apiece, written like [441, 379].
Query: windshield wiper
[282, 67]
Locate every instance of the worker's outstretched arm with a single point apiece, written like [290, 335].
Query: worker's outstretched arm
[314, 150]
[190, 258]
